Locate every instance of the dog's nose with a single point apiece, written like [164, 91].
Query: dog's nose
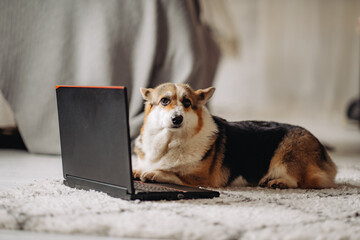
[177, 120]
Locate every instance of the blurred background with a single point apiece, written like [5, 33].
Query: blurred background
[290, 61]
[293, 61]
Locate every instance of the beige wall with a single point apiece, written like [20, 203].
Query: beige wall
[296, 59]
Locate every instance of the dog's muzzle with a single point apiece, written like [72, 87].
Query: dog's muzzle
[176, 121]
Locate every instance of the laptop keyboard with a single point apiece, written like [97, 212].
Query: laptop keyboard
[148, 187]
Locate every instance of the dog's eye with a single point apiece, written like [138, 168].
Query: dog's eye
[165, 101]
[186, 103]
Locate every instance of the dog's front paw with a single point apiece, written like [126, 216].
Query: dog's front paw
[151, 176]
[160, 176]
[136, 173]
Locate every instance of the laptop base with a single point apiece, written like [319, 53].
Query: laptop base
[119, 192]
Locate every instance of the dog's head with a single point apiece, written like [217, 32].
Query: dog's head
[175, 106]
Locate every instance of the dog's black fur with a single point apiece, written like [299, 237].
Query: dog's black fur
[250, 145]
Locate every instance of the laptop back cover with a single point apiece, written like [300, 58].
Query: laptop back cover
[94, 134]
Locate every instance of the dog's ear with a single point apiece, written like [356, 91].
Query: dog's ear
[203, 95]
[146, 93]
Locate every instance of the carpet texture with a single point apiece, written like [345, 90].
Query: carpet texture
[242, 213]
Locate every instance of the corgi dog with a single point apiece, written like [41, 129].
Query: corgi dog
[180, 142]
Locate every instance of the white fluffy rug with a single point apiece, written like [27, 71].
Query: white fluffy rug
[243, 213]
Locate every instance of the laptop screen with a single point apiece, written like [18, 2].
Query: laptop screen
[94, 134]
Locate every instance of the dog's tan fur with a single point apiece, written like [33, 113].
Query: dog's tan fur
[193, 154]
[303, 163]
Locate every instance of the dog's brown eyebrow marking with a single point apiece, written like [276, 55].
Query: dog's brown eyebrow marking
[188, 92]
[185, 96]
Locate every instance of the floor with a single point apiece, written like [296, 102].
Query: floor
[19, 168]
[24, 235]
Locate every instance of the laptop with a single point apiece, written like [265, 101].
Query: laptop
[95, 146]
